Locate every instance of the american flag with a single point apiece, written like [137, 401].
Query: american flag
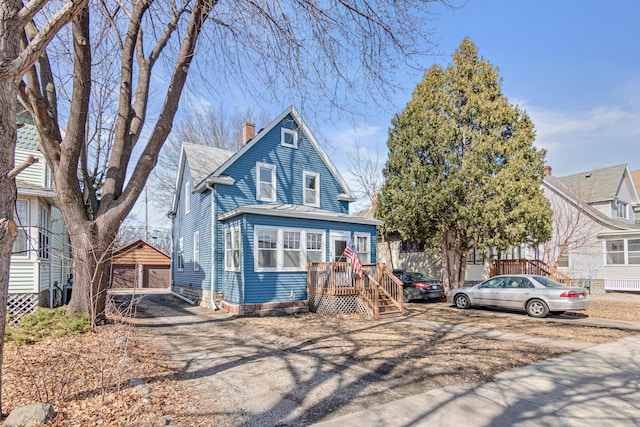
[350, 253]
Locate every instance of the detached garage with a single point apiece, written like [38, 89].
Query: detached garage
[140, 265]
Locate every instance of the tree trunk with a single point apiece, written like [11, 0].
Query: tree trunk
[454, 263]
[9, 47]
[92, 249]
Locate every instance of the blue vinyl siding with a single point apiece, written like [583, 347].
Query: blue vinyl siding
[263, 287]
[198, 219]
[290, 164]
[229, 282]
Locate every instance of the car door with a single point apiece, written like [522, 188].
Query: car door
[488, 293]
[515, 291]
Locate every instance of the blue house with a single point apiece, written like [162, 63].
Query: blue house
[245, 224]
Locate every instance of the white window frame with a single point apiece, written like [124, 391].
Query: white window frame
[622, 210]
[294, 250]
[322, 250]
[231, 248]
[187, 197]
[23, 229]
[44, 232]
[607, 252]
[280, 250]
[284, 132]
[632, 254]
[180, 260]
[196, 251]
[259, 195]
[306, 174]
[364, 256]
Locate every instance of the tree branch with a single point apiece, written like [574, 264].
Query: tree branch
[22, 166]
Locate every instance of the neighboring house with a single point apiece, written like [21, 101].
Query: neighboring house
[245, 224]
[40, 261]
[595, 217]
[140, 265]
[635, 175]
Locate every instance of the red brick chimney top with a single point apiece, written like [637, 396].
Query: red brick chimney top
[248, 132]
[547, 170]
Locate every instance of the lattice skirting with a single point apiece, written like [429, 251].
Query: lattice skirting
[334, 305]
[20, 304]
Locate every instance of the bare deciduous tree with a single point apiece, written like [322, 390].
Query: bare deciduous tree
[217, 128]
[302, 49]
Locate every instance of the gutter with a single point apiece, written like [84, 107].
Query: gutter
[209, 186]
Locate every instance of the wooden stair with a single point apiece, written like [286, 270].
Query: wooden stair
[387, 308]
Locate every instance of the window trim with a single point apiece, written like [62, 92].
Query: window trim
[232, 232]
[315, 175]
[368, 253]
[187, 197]
[24, 228]
[196, 250]
[44, 232]
[180, 255]
[286, 131]
[280, 248]
[622, 210]
[259, 195]
[636, 254]
[607, 252]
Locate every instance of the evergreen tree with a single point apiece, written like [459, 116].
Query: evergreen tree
[462, 170]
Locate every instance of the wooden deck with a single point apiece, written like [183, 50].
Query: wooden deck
[378, 290]
[528, 266]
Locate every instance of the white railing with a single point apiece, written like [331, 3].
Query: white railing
[622, 285]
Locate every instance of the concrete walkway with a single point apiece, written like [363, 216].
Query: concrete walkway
[598, 386]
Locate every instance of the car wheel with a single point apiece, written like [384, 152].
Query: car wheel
[537, 308]
[405, 296]
[461, 301]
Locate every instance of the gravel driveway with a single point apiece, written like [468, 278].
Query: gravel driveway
[298, 370]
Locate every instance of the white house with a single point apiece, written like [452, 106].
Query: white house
[40, 260]
[596, 234]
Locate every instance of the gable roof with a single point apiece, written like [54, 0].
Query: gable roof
[347, 195]
[137, 245]
[202, 159]
[600, 185]
[635, 176]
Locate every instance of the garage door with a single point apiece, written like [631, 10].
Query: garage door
[123, 276]
[156, 276]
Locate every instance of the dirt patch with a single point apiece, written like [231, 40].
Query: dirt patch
[292, 370]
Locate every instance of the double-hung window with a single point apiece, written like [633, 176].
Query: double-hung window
[362, 247]
[180, 262]
[21, 244]
[267, 249]
[622, 210]
[266, 179]
[633, 246]
[43, 232]
[289, 138]
[315, 247]
[232, 249]
[286, 249]
[196, 251]
[292, 250]
[311, 195]
[615, 252]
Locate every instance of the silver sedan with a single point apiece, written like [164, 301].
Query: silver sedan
[537, 295]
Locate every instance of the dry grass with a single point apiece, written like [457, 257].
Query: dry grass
[86, 377]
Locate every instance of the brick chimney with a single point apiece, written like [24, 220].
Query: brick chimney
[547, 170]
[248, 132]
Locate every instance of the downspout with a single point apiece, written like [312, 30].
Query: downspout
[209, 186]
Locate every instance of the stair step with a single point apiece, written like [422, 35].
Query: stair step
[395, 313]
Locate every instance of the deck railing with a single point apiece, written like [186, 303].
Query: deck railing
[335, 278]
[528, 266]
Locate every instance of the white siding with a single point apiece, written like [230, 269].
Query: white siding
[34, 173]
[22, 277]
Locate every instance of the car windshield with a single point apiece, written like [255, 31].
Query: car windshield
[547, 282]
[418, 276]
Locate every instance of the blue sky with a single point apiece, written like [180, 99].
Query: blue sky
[573, 66]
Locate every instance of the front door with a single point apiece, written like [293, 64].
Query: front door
[339, 240]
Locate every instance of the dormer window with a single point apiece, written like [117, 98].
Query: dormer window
[266, 180]
[289, 138]
[311, 195]
[622, 210]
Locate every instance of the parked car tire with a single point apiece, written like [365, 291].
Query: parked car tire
[405, 296]
[537, 308]
[462, 301]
